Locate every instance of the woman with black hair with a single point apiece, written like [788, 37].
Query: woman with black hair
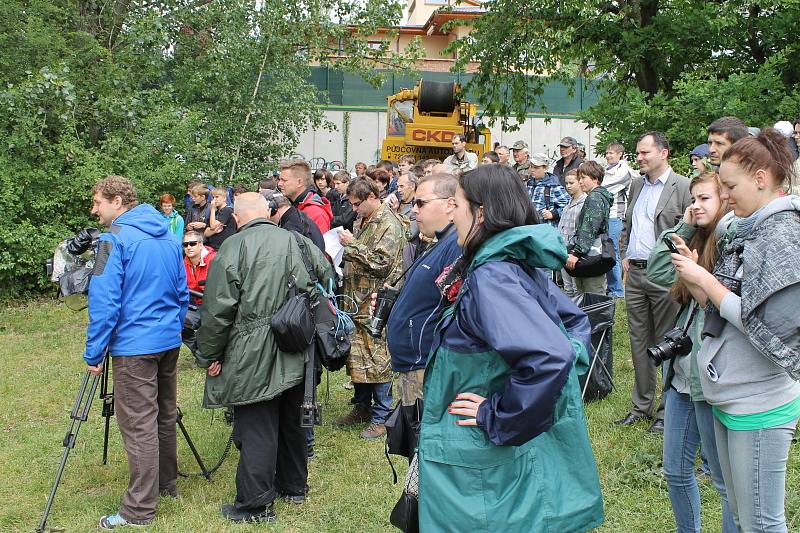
[323, 179]
[503, 444]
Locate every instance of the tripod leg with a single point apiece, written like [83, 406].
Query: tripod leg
[200, 463]
[79, 414]
[108, 405]
[105, 439]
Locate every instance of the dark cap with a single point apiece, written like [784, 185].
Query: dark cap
[568, 141]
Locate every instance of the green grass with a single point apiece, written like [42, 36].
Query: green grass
[351, 488]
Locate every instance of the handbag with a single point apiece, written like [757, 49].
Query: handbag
[402, 429]
[598, 261]
[332, 340]
[405, 514]
[293, 323]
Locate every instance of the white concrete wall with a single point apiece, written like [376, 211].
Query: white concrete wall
[368, 128]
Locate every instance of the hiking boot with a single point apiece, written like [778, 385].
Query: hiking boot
[358, 415]
[115, 520]
[233, 514]
[374, 431]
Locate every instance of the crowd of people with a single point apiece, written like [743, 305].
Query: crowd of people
[489, 257]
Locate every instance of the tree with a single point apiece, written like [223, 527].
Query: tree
[160, 91]
[638, 53]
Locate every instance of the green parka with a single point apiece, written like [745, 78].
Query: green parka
[246, 284]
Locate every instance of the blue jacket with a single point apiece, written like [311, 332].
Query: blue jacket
[137, 295]
[409, 330]
[547, 193]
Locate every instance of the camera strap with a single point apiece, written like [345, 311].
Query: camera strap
[693, 307]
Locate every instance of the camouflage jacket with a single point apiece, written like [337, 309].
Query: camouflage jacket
[592, 220]
[373, 258]
[523, 169]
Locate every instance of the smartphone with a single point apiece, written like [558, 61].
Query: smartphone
[671, 244]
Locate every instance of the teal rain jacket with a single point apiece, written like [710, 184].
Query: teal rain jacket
[528, 465]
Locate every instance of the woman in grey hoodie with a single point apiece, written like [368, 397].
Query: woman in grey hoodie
[749, 361]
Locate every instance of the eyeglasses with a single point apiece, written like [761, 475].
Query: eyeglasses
[190, 243]
[420, 203]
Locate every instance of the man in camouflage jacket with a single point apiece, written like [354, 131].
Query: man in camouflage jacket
[373, 257]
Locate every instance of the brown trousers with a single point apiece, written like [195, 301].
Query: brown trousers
[651, 313]
[145, 392]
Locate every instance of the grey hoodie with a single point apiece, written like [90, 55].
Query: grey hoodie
[736, 378]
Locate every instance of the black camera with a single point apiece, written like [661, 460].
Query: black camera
[383, 306]
[83, 240]
[676, 343]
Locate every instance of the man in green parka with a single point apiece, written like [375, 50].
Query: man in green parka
[246, 285]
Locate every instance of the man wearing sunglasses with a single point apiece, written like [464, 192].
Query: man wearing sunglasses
[409, 330]
[196, 260]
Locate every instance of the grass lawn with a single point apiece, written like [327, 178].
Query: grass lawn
[351, 486]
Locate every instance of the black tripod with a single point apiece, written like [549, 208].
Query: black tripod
[80, 413]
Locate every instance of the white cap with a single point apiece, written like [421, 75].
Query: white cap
[785, 127]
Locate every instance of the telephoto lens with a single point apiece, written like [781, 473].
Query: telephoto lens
[383, 306]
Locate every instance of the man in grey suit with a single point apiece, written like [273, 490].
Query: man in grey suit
[657, 201]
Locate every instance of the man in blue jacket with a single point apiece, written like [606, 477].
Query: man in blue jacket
[409, 330]
[137, 301]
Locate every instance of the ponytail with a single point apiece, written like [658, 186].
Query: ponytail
[768, 150]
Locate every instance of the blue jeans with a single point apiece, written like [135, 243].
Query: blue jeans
[379, 395]
[614, 276]
[754, 467]
[682, 437]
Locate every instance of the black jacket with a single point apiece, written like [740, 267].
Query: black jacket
[560, 170]
[294, 220]
[345, 216]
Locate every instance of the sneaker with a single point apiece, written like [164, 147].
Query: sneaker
[233, 514]
[296, 499]
[348, 385]
[358, 415]
[115, 520]
[374, 431]
[310, 454]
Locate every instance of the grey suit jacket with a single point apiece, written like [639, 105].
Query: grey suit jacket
[674, 200]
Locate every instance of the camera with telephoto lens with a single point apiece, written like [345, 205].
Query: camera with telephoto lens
[676, 343]
[383, 306]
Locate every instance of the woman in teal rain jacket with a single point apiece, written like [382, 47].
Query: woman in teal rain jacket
[503, 444]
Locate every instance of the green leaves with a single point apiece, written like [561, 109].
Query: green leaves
[161, 92]
[637, 51]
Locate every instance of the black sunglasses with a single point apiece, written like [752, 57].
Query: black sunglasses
[190, 243]
[421, 203]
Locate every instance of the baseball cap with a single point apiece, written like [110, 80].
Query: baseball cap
[539, 160]
[568, 141]
[784, 127]
[519, 145]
